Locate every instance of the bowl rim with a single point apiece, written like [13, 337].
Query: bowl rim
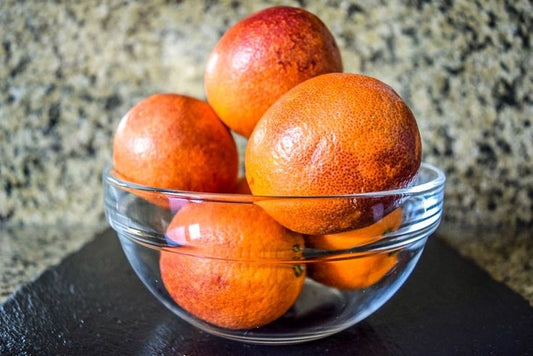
[438, 180]
[431, 186]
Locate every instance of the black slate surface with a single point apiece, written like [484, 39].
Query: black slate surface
[93, 304]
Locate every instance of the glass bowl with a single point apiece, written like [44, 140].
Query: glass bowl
[266, 292]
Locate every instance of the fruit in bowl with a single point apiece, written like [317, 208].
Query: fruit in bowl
[332, 213]
[337, 133]
[217, 273]
[230, 273]
[353, 273]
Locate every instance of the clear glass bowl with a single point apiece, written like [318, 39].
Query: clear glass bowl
[343, 284]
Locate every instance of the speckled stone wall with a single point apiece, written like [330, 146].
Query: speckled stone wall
[70, 70]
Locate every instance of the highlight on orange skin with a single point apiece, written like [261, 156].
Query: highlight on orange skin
[354, 272]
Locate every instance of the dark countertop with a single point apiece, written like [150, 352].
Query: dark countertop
[92, 303]
[505, 253]
[26, 252]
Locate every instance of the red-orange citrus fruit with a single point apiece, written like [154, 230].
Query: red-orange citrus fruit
[261, 57]
[349, 239]
[242, 186]
[354, 272]
[175, 142]
[228, 270]
[333, 134]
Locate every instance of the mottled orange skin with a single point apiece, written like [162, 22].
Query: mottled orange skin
[175, 142]
[334, 134]
[354, 272]
[217, 274]
[261, 57]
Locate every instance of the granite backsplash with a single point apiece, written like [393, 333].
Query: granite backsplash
[70, 70]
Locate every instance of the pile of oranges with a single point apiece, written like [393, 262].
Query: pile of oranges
[276, 78]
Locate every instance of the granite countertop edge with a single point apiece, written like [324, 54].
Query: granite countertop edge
[505, 254]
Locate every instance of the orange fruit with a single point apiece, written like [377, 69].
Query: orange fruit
[349, 239]
[333, 134]
[261, 57]
[354, 272]
[225, 270]
[175, 142]
[242, 186]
